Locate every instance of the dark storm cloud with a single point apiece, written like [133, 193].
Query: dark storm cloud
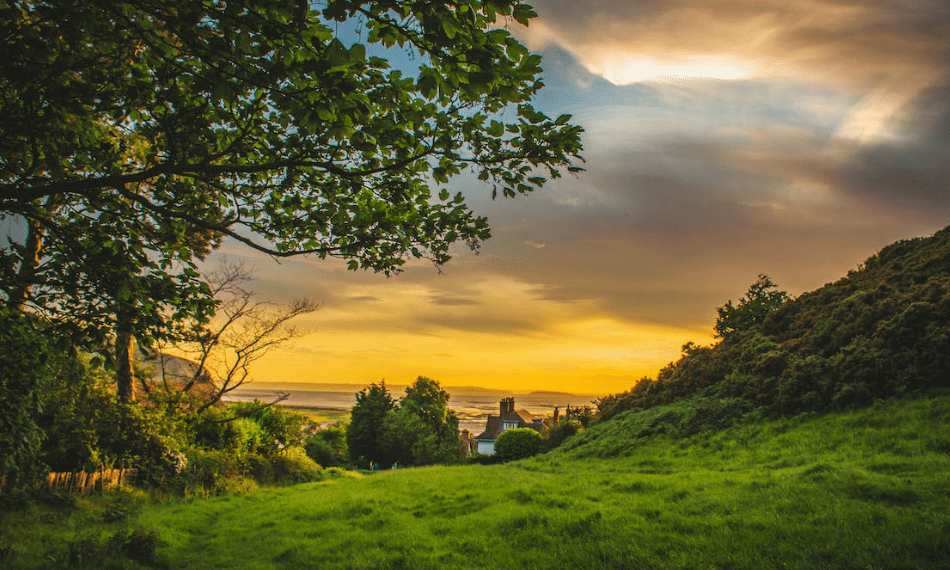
[911, 172]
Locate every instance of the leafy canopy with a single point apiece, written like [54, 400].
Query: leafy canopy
[146, 131]
[762, 298]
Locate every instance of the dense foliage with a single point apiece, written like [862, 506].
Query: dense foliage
[419, 429]
[24, 374]
[61, 416]
[882, 330]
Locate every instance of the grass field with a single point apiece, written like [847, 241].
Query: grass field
[322, 415]
[867, 489]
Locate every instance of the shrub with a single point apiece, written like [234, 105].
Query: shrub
[206, 472]
[559, 433]
[517, 443]
[24, 371]
[328, 446]
[293, 466]
[276, 429]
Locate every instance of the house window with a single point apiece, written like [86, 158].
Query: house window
[509, 425]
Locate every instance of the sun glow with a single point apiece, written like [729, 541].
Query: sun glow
[550, 345]
[626, 68]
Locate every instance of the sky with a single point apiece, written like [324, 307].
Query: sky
[724, 139]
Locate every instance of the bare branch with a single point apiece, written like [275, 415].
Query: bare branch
[245, 331]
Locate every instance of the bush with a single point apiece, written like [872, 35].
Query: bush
[24, 371]
[277, 427]
[212, 473]
[517, 444]
[328, 447]
[293, 466]
[559, 433]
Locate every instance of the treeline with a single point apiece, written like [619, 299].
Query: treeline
[60, 412]
[880, 331]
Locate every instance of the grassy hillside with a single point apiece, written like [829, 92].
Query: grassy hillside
[863, 489]
[722, 461]
[882, 330]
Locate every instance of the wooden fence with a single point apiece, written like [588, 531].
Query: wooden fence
[84, 482]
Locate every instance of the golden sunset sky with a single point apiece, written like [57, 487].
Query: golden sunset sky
[723, 139]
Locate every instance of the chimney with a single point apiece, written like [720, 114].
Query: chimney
[503, 407]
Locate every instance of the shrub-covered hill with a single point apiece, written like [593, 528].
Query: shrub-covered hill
[882, 330]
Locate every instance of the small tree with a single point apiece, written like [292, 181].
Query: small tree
[517, 443]
[762, 298]
[365, 431]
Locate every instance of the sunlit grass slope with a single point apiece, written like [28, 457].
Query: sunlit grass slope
[865, 489]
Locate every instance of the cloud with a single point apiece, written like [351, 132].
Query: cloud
[451, 301]
[881, 54]
[827, 38]
[755, 137]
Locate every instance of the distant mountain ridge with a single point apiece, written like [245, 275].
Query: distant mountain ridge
[398, 388]
[882, 330]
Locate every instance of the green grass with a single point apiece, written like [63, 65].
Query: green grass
[322, 415]
[867, 489]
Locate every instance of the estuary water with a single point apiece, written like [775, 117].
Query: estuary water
[472, 405]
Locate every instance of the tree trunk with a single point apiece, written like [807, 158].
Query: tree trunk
[26, 275]
[124, 349]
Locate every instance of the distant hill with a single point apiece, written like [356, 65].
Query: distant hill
[173, 371]
[553, 394]
[880, 331]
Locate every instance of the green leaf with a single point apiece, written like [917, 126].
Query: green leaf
[449, 27]
[522, 13]
[357, 53]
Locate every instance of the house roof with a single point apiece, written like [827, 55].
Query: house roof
[496, 424]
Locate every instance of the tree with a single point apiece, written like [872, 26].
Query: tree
[762, 298]
[140, 133]
[422, 430]
[364, 433]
